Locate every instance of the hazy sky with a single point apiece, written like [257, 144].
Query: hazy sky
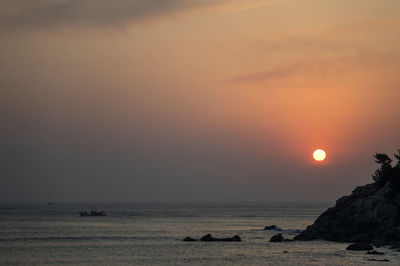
[190, 100]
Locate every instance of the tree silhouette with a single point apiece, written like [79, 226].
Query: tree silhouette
[382, 174]
[397, 156]
[396, 171]
[383, 159]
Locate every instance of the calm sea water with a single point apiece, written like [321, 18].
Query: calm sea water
[152, 233]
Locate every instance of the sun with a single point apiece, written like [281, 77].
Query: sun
[319, 155]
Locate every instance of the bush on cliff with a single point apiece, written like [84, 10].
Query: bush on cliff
[386, 173]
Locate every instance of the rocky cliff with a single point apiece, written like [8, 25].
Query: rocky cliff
[371, 214]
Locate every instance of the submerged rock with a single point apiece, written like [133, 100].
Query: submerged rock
[210, 238]
[360, 246]
[272, 227]
[371, 214]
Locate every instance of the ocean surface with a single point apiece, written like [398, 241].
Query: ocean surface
[152, 234]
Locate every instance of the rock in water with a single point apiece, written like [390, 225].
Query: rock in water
[272, 227]
[360, 246]
[207, 237]
[210, 238]
[371, 214]
[277, 238]
[236, 238]
[189, 239]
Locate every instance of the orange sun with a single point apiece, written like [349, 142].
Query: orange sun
[319, 155]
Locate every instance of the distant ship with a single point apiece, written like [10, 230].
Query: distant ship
[91, 213]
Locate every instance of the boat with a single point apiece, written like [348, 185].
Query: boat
[92, 212]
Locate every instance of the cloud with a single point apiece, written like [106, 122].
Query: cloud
[361, 68]
[38, 14]
[323, 68]
[45, 14]
[280, 72]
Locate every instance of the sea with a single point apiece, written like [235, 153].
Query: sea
[153, 233]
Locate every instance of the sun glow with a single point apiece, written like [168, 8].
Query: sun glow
[319, 155]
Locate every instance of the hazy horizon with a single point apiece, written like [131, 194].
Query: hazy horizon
[201, 202]
[193, 101]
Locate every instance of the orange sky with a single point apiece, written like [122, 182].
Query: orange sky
[211, 84]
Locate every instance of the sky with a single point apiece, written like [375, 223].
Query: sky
[195, 100]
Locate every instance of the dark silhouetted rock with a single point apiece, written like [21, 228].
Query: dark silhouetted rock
[371, 214]
[210, 238]
[272, 227]
[279, 238]
[207, 237]
[189, 239]
[360, 246]
[236, 238]
[374, 252]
